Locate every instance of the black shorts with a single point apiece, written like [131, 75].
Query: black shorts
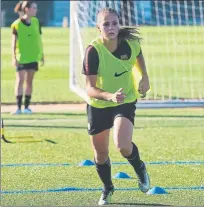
[28, 66]
[100, 119]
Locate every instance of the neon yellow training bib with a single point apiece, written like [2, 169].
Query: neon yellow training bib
[28, 45]
[114, 74]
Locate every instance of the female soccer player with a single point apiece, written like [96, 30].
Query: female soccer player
[109, 66]
[26, 52]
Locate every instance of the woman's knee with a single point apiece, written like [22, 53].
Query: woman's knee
[29, 79]
[101, 156]
[125, 152]
[124, 148]
[20, 82]
[29, 83]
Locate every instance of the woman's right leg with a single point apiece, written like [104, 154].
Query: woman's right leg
[28, 89]
[100, 144]
[20, 76]
[100, 122]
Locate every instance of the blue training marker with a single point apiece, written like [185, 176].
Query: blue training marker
[86, 163]
[156, 190]
[121, 175]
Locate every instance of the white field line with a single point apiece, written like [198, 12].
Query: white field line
[69, 120]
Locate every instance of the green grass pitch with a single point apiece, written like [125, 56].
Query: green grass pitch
[174, 58]
[161, 135]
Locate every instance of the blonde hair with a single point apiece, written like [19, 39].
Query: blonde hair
[129, 33]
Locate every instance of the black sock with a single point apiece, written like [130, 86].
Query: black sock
[19, 101]
[104, 172]
[134, 158]
[27, 101]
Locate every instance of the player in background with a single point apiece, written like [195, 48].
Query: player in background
[27, 51]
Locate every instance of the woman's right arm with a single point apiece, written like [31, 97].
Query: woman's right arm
[13, 50]
[90, 69]
[95, 92]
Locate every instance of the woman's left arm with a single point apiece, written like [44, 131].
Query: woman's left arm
[42, 60]
[144, 85]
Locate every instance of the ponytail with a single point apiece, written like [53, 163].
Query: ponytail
[18, 7]
[129, 33]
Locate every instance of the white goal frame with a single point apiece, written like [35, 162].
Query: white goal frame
[75, 87]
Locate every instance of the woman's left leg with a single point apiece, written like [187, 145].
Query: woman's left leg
[123, 130]
[28, 90]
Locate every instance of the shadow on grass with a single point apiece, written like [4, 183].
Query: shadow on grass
[50, 141]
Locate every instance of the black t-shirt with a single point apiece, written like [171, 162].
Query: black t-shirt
[91, 58]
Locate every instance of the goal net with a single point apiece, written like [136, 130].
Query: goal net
[172, 45]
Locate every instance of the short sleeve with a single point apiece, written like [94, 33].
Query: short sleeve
[14, 31]
[91, 61]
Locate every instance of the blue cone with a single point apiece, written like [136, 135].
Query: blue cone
[121, 175]
[86, 163]
[156, 190]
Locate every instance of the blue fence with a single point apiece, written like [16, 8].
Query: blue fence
[51, 13]
[147, 12]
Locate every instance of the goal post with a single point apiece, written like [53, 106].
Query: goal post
[172, 33]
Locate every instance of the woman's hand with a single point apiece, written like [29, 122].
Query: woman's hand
[144, 85]
[118, 96]
[42, 61]
[14, 62]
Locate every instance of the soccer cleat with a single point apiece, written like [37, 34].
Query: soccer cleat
[143, 178]
[18, 111]
[105, 198]
[27, 111]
